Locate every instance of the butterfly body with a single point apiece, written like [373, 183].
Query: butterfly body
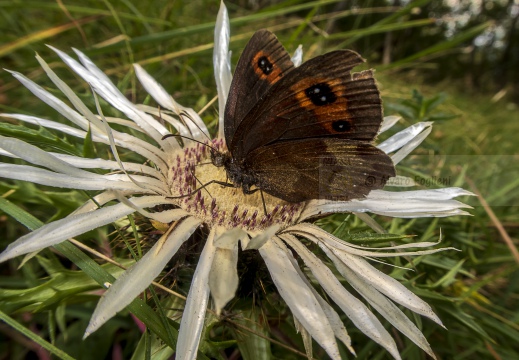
[302, 133]
[237, 173]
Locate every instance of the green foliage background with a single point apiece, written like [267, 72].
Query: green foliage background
[429, 69]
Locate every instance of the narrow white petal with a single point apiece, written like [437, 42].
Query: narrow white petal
[386, 284]
[37, 156]
[418, 203]
[222, 68]
[157, 92]
[52, 101]
[73, 225]
[165, 216]
[372, 223]
[47, 124]
[146, 184]
[45, 177]
[125, 123]
[401, 138]
[228, 239]
[320, 233]
[316, 234]
[359, 314]
[388, 123]
[104, 87]
[77, 118]
[223, 278]
[140, 275]
[70, 94]
[8, 154]
[93, 71]
[431, 194]
[298, 296]
[385, 307]
[182, 130]
[99, 200]
[425, 213]
[86, 163]
[132, 143]
[410, 146]
[257, 241]
[192, 120]
[107, 90]
[193, 318]
[297, 58]
[335, 321]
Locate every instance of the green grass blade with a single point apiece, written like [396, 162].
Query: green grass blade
[438, 48]
[38, 340]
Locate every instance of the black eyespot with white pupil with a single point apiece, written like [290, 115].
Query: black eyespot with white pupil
[321, 94]
[265, 65]
[341, 126]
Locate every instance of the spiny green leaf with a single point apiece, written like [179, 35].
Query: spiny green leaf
[343, 233]
[42, 138]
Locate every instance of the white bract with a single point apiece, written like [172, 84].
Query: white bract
[232, 216]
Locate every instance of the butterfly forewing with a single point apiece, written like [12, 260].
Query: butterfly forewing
[263, 63]
[321, 98]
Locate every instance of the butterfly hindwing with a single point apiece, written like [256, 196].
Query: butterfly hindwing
[321, 98]
[327, 168]
[263, 63]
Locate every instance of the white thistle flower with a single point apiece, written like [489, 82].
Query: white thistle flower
[232, 217]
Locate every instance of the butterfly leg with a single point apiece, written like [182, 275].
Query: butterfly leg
[263, 201]
[248, 191]
[226, 184]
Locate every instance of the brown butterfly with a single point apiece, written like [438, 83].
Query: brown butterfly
[302, 133]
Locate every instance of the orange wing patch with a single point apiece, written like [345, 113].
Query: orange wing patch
[264, 66]
[327, 100]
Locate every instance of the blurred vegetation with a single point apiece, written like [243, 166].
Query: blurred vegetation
[453, 62]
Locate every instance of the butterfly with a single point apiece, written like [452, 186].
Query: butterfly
[302, 133]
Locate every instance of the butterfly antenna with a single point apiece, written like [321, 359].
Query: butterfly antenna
[187, 137]
[186, 114]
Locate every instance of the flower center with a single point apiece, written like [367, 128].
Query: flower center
[222, 205]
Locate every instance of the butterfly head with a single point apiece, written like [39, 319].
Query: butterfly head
[220, 158]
